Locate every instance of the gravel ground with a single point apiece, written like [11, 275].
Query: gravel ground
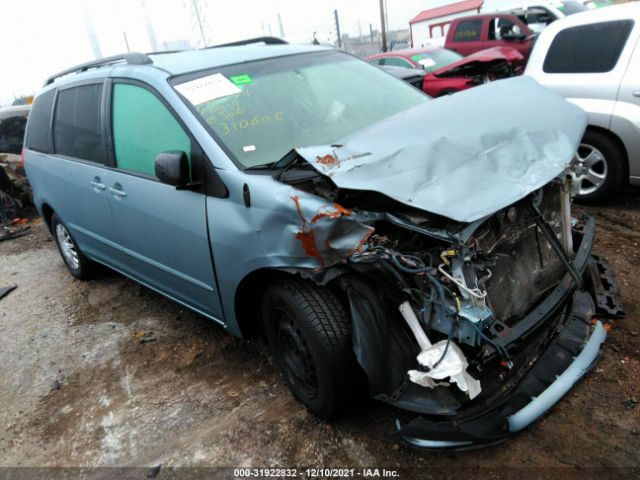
[109, 373]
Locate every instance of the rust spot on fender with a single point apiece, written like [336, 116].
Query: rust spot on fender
[307, 235]
[362, 241]
[328, 160]
[308, 241]
[337, 213]
[307, 238]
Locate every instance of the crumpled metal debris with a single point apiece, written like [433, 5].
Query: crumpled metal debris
[15, 191]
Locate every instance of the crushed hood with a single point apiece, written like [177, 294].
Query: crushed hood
[464, 156]
[479, 62]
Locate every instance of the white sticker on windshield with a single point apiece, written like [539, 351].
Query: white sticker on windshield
[427, 62]
[207, 88]
[249, 148]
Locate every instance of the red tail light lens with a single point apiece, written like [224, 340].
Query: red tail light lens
[22, 157]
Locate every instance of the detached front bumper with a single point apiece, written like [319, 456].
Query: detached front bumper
[566, 317]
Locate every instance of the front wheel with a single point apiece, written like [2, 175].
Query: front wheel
[309, 334]
[79, 265]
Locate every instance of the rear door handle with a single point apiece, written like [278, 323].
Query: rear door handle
[117, 190]
[636, 93]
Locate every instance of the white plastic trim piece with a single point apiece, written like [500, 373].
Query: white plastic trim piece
[453, 366]
[410, 317]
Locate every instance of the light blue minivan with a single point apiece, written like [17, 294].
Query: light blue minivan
[423, 250]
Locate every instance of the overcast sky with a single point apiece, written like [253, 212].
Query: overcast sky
[41, 37]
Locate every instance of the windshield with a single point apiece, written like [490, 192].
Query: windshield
[571, 7]
[436, 59]
[261, 110]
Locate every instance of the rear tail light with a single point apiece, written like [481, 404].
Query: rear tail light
[22, 157]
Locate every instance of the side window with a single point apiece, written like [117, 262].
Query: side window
[501, 28]
[37, 136]
[397, 62]
[76, 123]
[468, 31]
[142, 128]
[593, 48]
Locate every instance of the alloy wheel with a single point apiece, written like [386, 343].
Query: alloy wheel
[595, 169]
[67, 247]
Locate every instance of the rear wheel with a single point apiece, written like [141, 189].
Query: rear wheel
[79, 265]
[604, 164]
[308, 331]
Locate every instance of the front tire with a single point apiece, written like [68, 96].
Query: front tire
[78, 265]
[309, 334]
[605, 163]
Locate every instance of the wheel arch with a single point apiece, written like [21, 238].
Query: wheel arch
[47, 213]
[612, 135]
[248, 297]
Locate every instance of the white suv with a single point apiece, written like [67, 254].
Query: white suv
[593, 60]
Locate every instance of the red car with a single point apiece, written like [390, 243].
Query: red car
[448, 72]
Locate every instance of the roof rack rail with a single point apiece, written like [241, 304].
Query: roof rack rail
[265, 40]
[132, 58]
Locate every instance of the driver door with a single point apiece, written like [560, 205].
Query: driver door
[162, 231]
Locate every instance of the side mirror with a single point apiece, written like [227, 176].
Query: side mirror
[172, 168]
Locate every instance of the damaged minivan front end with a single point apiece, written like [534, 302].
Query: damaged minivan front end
[470, 285]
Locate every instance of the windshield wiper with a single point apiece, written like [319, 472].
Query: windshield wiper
[287, 160]
[263, 166]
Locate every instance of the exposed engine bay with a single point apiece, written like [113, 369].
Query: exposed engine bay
[458, 297]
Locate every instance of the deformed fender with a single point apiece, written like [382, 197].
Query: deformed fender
[284, 228]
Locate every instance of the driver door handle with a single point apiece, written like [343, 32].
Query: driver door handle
[117, 191]
[636, 93]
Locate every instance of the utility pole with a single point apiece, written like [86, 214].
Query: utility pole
[335, 14]
[383, 28]
[91, 33]
[150, 32]
[198, 18]
[280, 25]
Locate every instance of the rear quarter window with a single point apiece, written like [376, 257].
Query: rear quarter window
[468, 31]
[593, 48]
[77, 128]
[37, 137]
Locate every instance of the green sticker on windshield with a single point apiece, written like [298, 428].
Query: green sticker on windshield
[241, 79]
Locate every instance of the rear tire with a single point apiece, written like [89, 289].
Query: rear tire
[78, 265]
[309, 334]
[606, 162]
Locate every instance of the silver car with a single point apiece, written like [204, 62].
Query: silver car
[593, 60]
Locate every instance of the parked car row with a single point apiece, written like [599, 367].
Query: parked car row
[446, 72]
[591, 58]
